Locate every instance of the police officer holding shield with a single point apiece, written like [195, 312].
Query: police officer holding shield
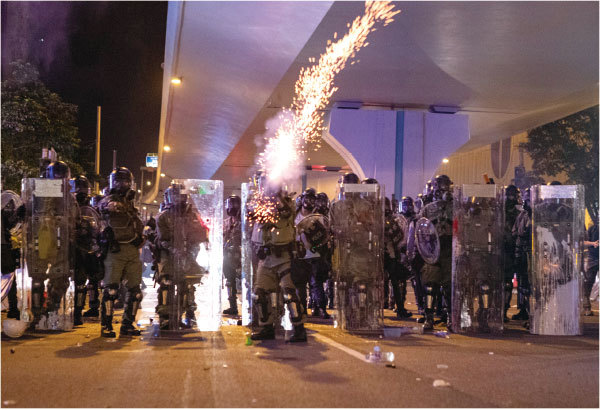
[232, 250]
[276, 251]
[434, 243]
[122, 239]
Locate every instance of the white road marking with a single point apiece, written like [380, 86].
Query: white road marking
[187, 387]
[340, 346]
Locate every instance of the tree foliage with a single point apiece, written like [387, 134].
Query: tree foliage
[569, 146]
[33, 117]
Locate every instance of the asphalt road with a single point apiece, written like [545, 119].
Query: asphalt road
[218, 369]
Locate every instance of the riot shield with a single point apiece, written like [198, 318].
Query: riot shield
[558, 213]
[427, 240]
[247, 271]
[199, 264]
[477, 274]
[90, 228]
[357, 222]
[313, 231]
[48, 234]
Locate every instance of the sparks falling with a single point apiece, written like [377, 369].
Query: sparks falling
[302, 124]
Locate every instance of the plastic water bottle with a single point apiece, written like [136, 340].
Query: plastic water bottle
[377, 356]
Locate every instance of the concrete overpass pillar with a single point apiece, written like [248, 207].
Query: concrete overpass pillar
[401, 149]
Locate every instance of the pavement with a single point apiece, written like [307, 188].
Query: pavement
[217, 369]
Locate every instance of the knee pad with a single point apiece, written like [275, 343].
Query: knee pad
[109, 295]
[37, 293]
[430, 294]
[485, 290]
[80, 292]
[163, 290]
[264, 299]
[290, 297]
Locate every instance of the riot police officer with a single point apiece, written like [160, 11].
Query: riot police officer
[409, 269]
[521, 232]
[393, 235]
[232, 250]
[48, 251]
[436, 274]
[357, 223]
[312, 230]
[511, 212]
[322, 207]
[122, 238]
[13, 213]
[180, 234]
[275, 253]
[590, 264]
[87, 251]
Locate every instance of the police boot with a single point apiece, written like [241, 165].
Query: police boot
[13, 311]
[93, 311]
[77, 316]
[299, 334]
[267, 332]
[401, 312]
[233, 310]
[428, 322]
[522, 315]
[80, 292]
[132, 302]
[108, 296]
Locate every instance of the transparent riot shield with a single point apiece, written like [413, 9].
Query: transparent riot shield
[477, 274]
[356, 219]
[90, 222]
[558, 213]
[200, 264]
[47, 292]
[247, 271]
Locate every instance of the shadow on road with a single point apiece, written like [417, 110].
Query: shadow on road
[302, 357]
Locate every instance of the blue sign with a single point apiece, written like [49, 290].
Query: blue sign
[152, 160]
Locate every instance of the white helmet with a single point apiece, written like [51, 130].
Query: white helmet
[14, 328]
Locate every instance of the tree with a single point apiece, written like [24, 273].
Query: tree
[33, 117]
[570, 146]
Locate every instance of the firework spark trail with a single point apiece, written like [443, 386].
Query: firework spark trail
[302, 123]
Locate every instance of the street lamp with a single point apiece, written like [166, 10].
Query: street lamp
[176, 80]
[167, 148]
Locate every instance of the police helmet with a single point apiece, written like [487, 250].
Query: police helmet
[350, 178]
[120, 179]
[176, 195]
[233, 205]
[309, 197]
[512, 193]
[428, 187]
[407, 205]
[369, 181]
[95, 201]
[58, 170]
[441, 182]
[322, 203]
[80, 185]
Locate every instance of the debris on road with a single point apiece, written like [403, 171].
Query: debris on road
[491, 353]
[12, 350]
[78, 344]
[440, 383]
[442, 366]
[225, 365]
[441, 333]
[418, 379]
[9, 402]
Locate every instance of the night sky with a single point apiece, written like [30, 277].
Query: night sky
[97, 53]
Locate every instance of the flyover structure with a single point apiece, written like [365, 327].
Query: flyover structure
[444, 77]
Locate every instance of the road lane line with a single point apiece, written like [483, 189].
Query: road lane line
[340, 346]
[187, 386]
